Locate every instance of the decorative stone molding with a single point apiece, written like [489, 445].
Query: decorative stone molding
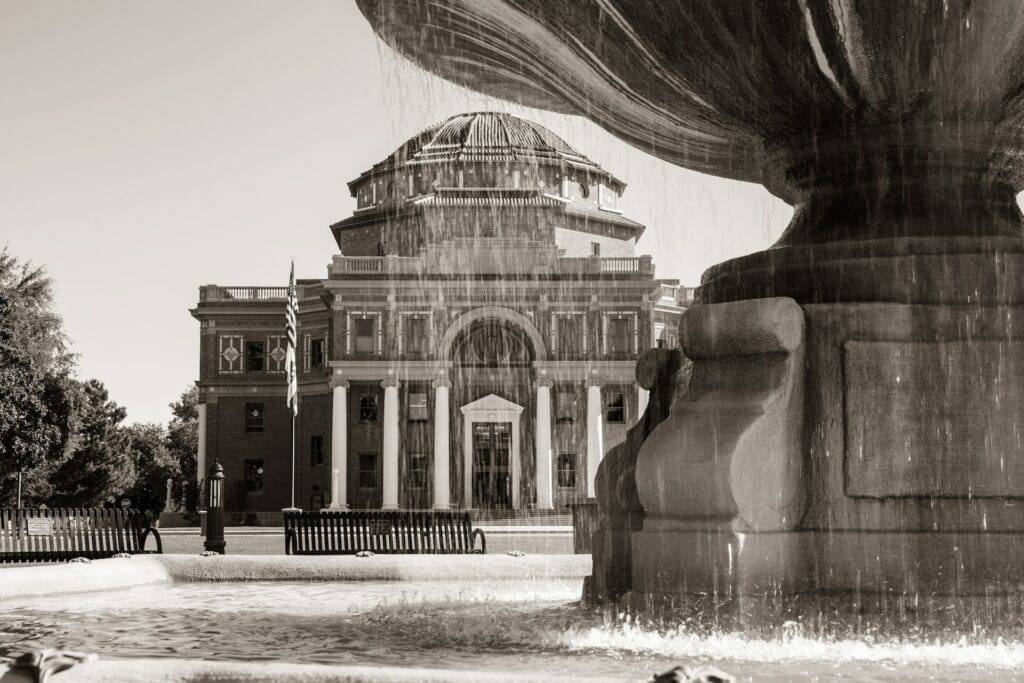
[731, 449]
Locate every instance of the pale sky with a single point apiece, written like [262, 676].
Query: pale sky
[147, 148]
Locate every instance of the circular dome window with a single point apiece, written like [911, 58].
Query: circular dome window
[584, 190]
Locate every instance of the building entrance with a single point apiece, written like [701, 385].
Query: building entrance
[492, 475]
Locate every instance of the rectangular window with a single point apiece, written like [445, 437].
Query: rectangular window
[595, 248]
[618, 335]
[570, 334]
[368, 408]
[418, 407]
[616, 409]
[277, 351]
[565, 406]
[229, 353]
[253, 476]
[418, 470]
[368, 471]
[316, 501]
[416, 335]
[316, 353]
[254, 356]
[365, 330]
[254, 418]
[566, 470]
[316, 450]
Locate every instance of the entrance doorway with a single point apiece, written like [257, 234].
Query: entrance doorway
[492, 472]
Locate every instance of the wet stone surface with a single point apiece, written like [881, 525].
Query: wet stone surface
[527, 626]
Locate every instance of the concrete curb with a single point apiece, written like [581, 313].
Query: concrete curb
[99, 575]
[115, 574]
[185, 671]
[376, 568]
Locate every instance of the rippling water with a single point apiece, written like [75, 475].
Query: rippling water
[536, 626]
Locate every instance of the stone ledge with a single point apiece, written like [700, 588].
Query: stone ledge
[21, 581]
[185, 671]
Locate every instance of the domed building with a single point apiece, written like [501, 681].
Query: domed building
[473, 343]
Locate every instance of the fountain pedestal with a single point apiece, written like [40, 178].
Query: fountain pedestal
[873, 445]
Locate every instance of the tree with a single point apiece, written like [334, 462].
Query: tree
[183, 443]
[154, 464]
[100, 467]
[34, 328]
[37, 394]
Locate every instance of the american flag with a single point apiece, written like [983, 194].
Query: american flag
[290, 316]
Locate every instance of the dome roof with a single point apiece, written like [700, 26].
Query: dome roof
[488, 137]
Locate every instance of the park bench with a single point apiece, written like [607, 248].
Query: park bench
[347, 532]
[56, 534]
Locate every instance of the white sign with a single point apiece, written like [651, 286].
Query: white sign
[37, 526]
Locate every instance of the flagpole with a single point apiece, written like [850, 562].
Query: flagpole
[291, 331]
[293, 452]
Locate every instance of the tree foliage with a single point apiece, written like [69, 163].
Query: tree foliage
[38, 397]
[99, 468]
[154, 464]
[183, 443]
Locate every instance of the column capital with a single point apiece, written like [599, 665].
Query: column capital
[543, 382]
[389, 382]
[337, 382]
[594, 381]
[442, 382]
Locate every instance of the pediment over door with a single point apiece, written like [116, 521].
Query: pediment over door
[491, 403]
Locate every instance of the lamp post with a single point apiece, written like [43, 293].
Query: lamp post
[215, 509]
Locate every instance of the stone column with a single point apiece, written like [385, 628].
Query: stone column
[543, 446]
[595, 433]
[201, 450]
[339, 445]
[642, 396]
[442, 440]
[390, 501]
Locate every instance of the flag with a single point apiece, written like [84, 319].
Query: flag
[290, 322]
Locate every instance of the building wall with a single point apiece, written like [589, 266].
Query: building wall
[578, 243]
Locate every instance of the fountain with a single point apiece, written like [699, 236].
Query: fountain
[854, 418]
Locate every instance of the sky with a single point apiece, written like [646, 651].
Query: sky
[148, 148]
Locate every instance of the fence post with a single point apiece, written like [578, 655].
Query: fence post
[215, 509]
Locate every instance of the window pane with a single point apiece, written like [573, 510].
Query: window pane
[253, 476]
[418, 407]
[570, 337]
[368, 471]
[253, 417]
[254, 356]
[416, 335]
[418, 470]
[368, 408]
[616, 408]
[567, 470]
[364, 335]
[316, 351]
[316, 450]
[566, 406]
[618, 335]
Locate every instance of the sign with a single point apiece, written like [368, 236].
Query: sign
[38, 526]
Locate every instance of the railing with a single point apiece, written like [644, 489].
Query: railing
[256, 293]
[406, 265]
[216, 293]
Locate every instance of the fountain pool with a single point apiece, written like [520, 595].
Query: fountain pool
[537, 626]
